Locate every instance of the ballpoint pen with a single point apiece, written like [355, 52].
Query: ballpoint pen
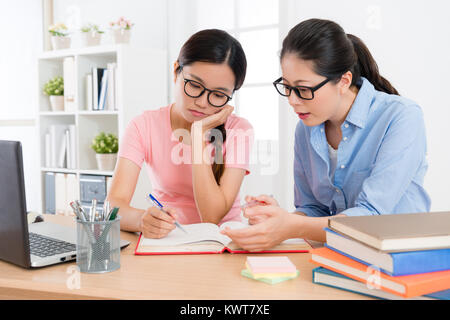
[152, 199]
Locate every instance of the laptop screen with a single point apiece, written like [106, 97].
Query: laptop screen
[14, 242]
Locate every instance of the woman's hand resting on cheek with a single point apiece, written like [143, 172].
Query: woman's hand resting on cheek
[213, 120]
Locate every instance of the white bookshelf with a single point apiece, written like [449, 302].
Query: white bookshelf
[141, 85]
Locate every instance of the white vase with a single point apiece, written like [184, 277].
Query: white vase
[106, 161]
[121, 36]
[57, 103]
[60, 42]
[91, 38]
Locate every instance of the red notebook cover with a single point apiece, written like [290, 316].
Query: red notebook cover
[221, 251]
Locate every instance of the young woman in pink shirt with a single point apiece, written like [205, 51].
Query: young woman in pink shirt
[196, 150]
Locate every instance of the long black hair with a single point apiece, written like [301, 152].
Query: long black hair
[334, 52]
[215, 46]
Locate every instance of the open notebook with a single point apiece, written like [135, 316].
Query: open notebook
[206, 238]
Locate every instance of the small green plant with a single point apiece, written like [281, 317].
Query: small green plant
[58, 30]
[91, 28]
[54, 87]
[105, 143]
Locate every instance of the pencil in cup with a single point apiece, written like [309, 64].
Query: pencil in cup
[152, 200]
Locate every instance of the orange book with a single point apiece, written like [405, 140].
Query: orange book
[405, 286]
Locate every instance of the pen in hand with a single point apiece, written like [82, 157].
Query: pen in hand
[150, 198]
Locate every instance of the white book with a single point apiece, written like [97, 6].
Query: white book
[62, 152]
[48, 150]
[88, 90]
[103, 90]
[69, 83]
[110, 101]
[108, 184]
[72, 146]
[60, 193]
[116, 86]
[95, 88]
[56, 138]
[68, 150]
[71, 192]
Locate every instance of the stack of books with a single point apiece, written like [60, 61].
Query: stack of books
[388, 256]
[270, 270]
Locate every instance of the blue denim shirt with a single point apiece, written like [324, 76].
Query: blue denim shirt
[381, 160]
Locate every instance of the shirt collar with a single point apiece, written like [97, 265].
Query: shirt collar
[360, 109]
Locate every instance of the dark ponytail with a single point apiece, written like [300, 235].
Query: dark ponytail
[215, 46]
[368, 68]
[334, 52]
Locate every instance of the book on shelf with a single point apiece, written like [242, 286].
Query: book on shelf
[111, 89]
[397, 232]
[60, 146]
[103, 84]
[48, 150]
[62, 152]
[206, 238]
[88, 91]
[393, 263]
[97, 74]
[333, 279]
[50, 192]
[103, 91]
[406, 286]
[60, 190]
[57, 143]
[69, 76]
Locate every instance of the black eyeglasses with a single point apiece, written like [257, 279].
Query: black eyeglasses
[303, 92]
[195, 89]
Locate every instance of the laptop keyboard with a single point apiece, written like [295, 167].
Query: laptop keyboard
[42, 246]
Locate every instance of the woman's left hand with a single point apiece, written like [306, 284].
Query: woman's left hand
[276, 228]
[213, 120]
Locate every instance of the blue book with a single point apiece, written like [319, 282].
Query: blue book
[50, 192]
[392, 263]
[333, 279]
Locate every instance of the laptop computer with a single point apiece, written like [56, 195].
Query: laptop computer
[28, 245]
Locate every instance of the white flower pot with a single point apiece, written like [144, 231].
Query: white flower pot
[106, 161]
[91, 38]
[57, 103]
[60, 42]
[121, 36]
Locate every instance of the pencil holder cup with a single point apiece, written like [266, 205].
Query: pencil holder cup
[98, 246]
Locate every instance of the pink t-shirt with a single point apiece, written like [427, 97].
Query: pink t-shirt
[149, 138]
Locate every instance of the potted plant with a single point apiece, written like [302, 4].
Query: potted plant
[54, 88]
[121, 30]
[60, 36]
[105, 147]
[91, 34]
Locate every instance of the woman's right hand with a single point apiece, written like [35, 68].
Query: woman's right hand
[157, 224]
[263, 200]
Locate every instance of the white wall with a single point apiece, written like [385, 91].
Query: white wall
[21, 41]
[410, 40]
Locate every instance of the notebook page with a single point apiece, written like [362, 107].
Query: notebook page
[195, 233]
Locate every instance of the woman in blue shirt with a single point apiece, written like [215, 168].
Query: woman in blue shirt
[360, 148]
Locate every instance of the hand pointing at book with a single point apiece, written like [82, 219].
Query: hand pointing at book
[156, 224]
[275, 228]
